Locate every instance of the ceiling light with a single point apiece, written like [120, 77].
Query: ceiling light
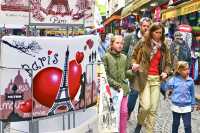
[143, 9]
[154, 4]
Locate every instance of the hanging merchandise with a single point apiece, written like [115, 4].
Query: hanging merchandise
[147, 13]
[198, 18]
[157, 14]
[131, 19]
[192, 67]
[196, 39]
[196, 69]
[116, 24]
[193, 16]
[185, 28]
[186, 34]
[176, 2]
[172, 28]
[125, 23]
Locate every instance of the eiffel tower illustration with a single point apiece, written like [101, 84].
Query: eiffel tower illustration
[59, 5]
[62, 98]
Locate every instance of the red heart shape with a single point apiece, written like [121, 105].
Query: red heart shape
[90, 43]
[26, 106]
[49, 52]
[46, 84]
[74, 77]
[79, 56]
[22, 107]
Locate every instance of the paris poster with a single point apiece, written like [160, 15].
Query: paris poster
[45, 76]
[47, 11]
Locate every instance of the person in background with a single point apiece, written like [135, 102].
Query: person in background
[151, 64]
[130, 41]
[179, 50]
[115, 67]
[103, 44]
[130, 30]
[181, 91]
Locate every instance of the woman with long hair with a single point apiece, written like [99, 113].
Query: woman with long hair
[151, 64]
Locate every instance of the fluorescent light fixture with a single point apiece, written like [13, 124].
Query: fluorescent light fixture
[153, 4]
[143, 9]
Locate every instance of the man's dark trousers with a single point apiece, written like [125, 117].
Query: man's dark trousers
[132, 98]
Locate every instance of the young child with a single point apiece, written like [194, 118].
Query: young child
[181, 91]
[115, 66]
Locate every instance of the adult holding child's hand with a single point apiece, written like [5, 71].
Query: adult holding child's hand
[151, 62]
[135, 67]
[163, 75]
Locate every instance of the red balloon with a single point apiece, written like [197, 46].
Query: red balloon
[26, 106]
[74, 77]
[46, 84]
[79, 56]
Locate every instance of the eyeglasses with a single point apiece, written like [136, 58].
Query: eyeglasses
[144, 19]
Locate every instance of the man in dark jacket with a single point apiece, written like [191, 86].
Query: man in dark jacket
[129, 43]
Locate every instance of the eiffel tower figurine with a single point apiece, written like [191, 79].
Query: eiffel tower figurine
[62, 98]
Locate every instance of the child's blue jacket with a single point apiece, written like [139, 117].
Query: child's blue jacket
[183, 91]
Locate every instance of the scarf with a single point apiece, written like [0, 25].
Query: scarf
[155, 46]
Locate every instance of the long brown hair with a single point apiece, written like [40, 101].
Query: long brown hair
[148, 35]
